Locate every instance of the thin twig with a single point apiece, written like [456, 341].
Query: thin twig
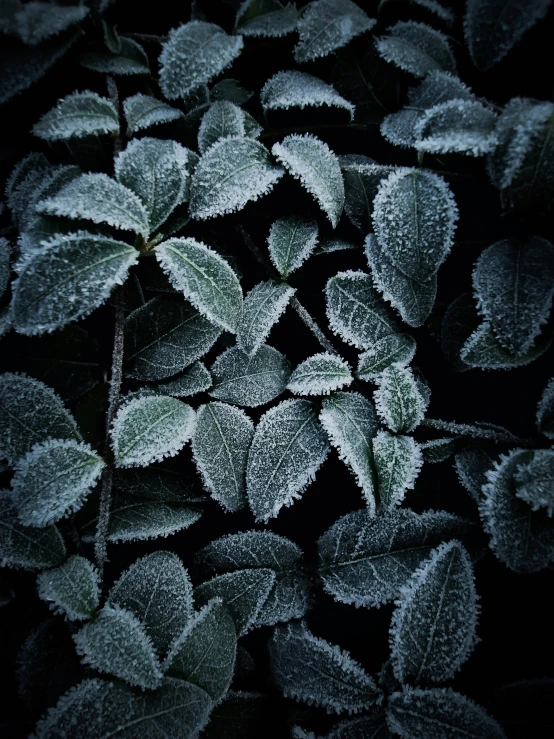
[114, 97]
[149, 37]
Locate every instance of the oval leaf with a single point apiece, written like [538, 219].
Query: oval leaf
[398, 399]
[222, 120]
[77, 115]
[392, 349]
[416, 48]
[293, 89]
[290, 242]
[142, 111]
[72, 589]
[263, 306]
[320, 375]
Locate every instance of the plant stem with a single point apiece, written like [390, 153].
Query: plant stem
[147, 37]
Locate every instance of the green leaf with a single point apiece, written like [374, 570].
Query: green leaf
[72, 589]
[483, 350]
[266, 18]
[204, 652]
[416, 48]
[77, 115]
[71, 276]
[365, 560]
[290, 242]
[176, 708]
[459, 126]
[293, 89]
[350, 422]
[471, 467]
[535, 481]
[249, 381]
[163, 337]
[222, 120]
[30, 412]
[362, 177]
[149, 428]
[310, 160]
[288, 448]
[53, 480]
[398, 460]
[195, 379]
[29, 548]
[131, 59]
[158, 591]
[545, 411]
[320, 374]
[392, 349]
[263, 306]
[356, 311]
[205, 279]
[220, 448]
[313, 671]
[233, 172]
[143, 111]
[194, 54]
[398, 399]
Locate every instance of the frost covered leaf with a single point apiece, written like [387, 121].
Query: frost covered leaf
[4, 265]
[471, 467]
[535, 481]
[310, 160]
[142, 111]
[290, 594]
[483, 350]
[356, 311]
[414, 216]
[398, 399]
[231, 89]
[293, 89]
[176, 708]
[249, 381]
[440, 713]
[194, 54]
[131, 59]
[327, 25]
[290, 242]
[77, 115]
[416, 48]
[158, 591]
[195, 379]
[361, 179]
[72, 589]
[222, 120]
[365, 560]
[204, 652]
[24, 547]
[311, 670]
[392, 349]
[205, 279]
[25, 177]
[477, 430]
[433, 629]
[34, 22]
[350, 422]
[462, 126]
[30, 412]
[220, 448]
[513, 282]
[163, 337]
[96, 197]
[159, 482]
[149, 428]
[34, 228]
[116, 643]
[320, 374]
[263, 306]
[493, 27]
[233, 172]
[53, 480]
[521, 538]
[267, 19]
[545, 411]
[156, 171]
[288, 448]
[243, 592]
[398, 460]
[71, 276]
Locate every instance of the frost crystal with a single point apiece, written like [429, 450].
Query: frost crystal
[312, 162]
[222, 120]
[254, 20]
[398, 460]
[315, 672]
[194, 54]
[392, 349]
[77, 115]
[545, 411]
[142, 111]
[327, 25]
[263, 306]
[149, 428]
[535, 481]
[320, 374]
[220, 448]
[290, 242]
[416, 48]
[233, 172]
[350, 422]
[53, 480]
[288, 448]
[456, 126]
[249, 381]
[293, 89]
[73, 588]
[398, 399]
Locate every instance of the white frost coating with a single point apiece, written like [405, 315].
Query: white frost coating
[222, 120]
[142, 111]
[263, 306]
[97, 198]
[398, 460]
[53, 480]
[293, 89]
[24, 179]
[394, 348]
[77, 115]
[291, 241]
[545, 410]
[288, 448]
[535, 481]
[72, 589]
[233, 172]
[327, 25]
[416, 48]
[205, 279]
[320, 374]
[462, 126]
[277, 22]
[310, 160]
[147, 429]
[315, 672]
[195, 53]
[398, 399]
[195, 379]
[72, 275]
[350, 422]
[482, 349]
